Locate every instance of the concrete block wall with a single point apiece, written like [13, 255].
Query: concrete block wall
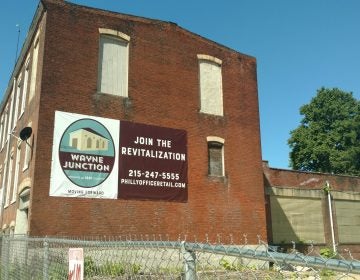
[292, 194]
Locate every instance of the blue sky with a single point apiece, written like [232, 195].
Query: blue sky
[300, 46]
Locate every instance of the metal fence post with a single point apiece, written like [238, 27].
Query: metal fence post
[46, 261]
[189, 262]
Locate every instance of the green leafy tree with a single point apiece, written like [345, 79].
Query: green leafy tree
[328, 137]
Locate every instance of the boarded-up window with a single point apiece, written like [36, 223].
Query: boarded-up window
[215, 153]
[211, 95]
[34, 66]
[296, 219]
[348, 220]
[11, 110]
[9, 179]
[16, 175]
[2, 130]
[113, 66]
[28, 153]
[25, 86]
[17, 101]
[6, 124]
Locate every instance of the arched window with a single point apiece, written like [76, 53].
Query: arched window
[34, 65]
[113, 62]
[211, 93]
[22, 216]
[215, 156]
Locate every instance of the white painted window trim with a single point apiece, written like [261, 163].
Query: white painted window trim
[2, 130]
[23, 194]
[10, 111]
[34, 67]
[4, 137]
[17, 100]
[209, 58]
[28, 152]
[16, 174]
[9, 178]
[116, 33]
[24, 187]
[25, 86]
[215, 139]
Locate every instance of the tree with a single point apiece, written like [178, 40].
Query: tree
[328, 137]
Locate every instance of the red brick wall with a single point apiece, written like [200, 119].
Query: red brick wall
[28, 118]
[309, 180]
[163, 90]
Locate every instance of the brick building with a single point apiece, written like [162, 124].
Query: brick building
[155, 76]
[84, 73]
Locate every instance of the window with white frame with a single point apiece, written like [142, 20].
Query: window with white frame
[2, 130]
[113, 62]
[17, 101]
[211, 93]
[4, 136]
[34, 69]
[28, 153]
[11, 110]
[216, 156]
[22, 215]
[9, 117]
[9, 178]
[16, 174]
[25, 86]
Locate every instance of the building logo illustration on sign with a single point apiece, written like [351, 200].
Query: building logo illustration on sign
[84, 157]
[86, 153]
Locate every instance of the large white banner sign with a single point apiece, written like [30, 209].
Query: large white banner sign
[83, 159]
[96, 157]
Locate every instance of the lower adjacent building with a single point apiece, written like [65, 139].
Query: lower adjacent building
[313, 208]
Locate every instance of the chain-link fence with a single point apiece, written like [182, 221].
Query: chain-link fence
[150, 257]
